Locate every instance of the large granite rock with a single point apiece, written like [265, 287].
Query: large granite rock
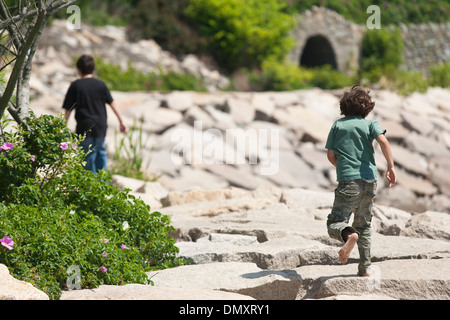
[13, 289]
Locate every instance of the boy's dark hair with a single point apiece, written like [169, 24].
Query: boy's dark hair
[356, 102]
[86, 64]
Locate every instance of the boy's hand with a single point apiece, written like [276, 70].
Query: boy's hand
[391, 176]
[123, 128]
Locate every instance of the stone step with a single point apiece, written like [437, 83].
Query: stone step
[393, 279]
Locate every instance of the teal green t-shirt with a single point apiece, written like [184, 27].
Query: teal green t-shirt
[351, 139]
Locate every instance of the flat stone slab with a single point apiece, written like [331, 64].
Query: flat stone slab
[393, 279]
[398, 279]
[148, 292]
[281, 253]
[238, 277]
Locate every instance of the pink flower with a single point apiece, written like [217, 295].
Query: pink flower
[104, 254]
[7, 242]
[103, 269]
[7, 146]
[106, 240]
[32, 158]
[64, 145]
[123, 247]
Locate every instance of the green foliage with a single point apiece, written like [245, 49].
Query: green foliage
[326, 77]
[440, 75]
[102, 13]
[407, 82]
[60, 215]
[286, 76]
[36, 158]
[393, 12]
[136, 80]
[166, 22]
[243, 33]
[280, 77]
[381, 53]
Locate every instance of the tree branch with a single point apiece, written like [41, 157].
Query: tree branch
[50, 9]
[18, 66]
[25, 46]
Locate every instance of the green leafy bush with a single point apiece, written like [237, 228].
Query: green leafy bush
[60, 215]
[243, 33]
[326, 77]
[280, 76]
[286, 76]
[440, 75]
[381, 53]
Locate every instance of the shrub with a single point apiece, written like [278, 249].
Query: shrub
[285, 76]
[280, 76]
[243, 33]
[381, 53]
[60, 215]
[36, 157]
[440, 75]
[326, 77]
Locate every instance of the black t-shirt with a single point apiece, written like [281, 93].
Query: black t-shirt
[88, 97]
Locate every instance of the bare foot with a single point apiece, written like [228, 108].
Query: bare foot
[347, 248]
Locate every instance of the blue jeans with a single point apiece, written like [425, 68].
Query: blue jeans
[97, 158]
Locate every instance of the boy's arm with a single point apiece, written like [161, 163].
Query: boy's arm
[332, 157]
[67, 114]
[123, 127]
[387, 152]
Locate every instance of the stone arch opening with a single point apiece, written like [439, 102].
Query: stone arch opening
[318, 52]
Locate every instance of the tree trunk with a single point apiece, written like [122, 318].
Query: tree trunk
[25, 47]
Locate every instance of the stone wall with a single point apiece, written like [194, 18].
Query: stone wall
[424, 44]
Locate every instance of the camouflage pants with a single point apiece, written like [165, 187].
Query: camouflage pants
[354, 196]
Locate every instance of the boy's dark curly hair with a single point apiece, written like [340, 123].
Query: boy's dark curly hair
[356, 102]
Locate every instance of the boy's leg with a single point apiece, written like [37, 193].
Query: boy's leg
[101, 159]
[363, 224]
[347, 196]
[350, 239]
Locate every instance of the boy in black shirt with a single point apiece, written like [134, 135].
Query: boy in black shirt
[89, 96]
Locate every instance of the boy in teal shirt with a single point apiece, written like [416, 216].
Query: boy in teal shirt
[350, 150]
